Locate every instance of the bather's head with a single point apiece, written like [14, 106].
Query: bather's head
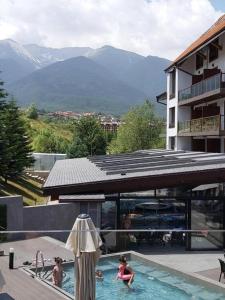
[123, 259]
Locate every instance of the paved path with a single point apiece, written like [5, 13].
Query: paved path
[189, 261]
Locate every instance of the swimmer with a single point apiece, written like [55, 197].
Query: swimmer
[99, 275]
[125, 272]
[57, 273]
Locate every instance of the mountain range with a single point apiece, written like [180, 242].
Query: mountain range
[107, 79]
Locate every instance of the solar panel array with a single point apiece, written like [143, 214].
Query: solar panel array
[151, 160]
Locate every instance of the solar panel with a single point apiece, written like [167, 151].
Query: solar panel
[164, 162]
[178, 165]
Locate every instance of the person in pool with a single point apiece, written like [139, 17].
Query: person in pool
[99, 275]
[125, 272]
[57, 272]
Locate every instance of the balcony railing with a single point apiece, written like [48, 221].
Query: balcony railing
[207, 124]
[207, 85]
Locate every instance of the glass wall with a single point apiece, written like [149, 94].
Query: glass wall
[207, 215]
[108, 222]
[160, 214]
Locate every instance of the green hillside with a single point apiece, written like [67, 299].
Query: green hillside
[59, 129]
[26, 187]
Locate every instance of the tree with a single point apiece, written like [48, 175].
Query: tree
[77, 149]
[140, 129]
[46, 141]
[88, 130]
[17, 150]
[32, 112]
[3, 95]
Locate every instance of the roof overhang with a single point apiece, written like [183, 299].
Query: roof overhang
[140, 183]
[196, 49]
[139, 171]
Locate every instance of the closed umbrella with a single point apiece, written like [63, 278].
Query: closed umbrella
[2, 281]
[85, 242]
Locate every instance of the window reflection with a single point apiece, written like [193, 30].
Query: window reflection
[206, 215]
[152, 214]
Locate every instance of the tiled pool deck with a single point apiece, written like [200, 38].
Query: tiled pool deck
[21, 286]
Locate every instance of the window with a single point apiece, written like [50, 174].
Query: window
[172, 117]
[172, 143]
[199, 61]
[172, 84]
[214, 50]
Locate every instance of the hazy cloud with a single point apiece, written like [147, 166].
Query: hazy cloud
[156, 27]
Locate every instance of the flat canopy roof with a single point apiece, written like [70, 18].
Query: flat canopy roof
[137, 171]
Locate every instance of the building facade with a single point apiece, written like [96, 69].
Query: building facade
[195, 94]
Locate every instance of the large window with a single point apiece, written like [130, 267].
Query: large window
[172, 117]
[206, 215]
[199, 61]
[214, 50]
[172, 143]
[172, 84]
[150, 214]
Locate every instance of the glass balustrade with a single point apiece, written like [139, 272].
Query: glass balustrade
[206, 124]
[207, 85]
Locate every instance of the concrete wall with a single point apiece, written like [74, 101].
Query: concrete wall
[60, 216]
[14, 214]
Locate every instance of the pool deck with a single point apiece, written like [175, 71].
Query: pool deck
[21, 286]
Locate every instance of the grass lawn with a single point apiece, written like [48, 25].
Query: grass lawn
[26, 187]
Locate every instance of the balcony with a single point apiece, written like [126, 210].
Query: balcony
[213, 125]
[208, 89]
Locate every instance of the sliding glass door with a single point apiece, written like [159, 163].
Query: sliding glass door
[206, 217]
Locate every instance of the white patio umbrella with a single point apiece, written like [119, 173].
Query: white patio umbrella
[85, 242]
[2, 281]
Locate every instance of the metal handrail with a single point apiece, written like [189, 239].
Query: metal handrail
[206, 85]
[212, 123]
[36, 262]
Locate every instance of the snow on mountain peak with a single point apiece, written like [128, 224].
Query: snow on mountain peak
[10, 47]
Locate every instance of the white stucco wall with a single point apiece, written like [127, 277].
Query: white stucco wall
[184, 80]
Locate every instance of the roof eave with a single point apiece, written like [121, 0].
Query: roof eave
[174, 64]
[139, 183]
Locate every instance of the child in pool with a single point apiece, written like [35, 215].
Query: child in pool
[125, 272]
[99, 275]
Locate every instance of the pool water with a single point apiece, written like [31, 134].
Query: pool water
[149, 283]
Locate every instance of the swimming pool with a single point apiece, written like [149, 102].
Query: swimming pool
[151, 282]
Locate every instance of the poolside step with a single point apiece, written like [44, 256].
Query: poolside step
[187, 287]
[158, 274]
[143, 269]
[172, 280]
[105, 267]
[206, 295]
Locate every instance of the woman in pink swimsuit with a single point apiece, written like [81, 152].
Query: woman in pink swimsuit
[125, 273]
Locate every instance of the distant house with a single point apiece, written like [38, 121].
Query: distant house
[195, 94]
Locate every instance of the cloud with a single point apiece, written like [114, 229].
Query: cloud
[157, 27]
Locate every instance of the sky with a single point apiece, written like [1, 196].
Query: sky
[162, 28]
